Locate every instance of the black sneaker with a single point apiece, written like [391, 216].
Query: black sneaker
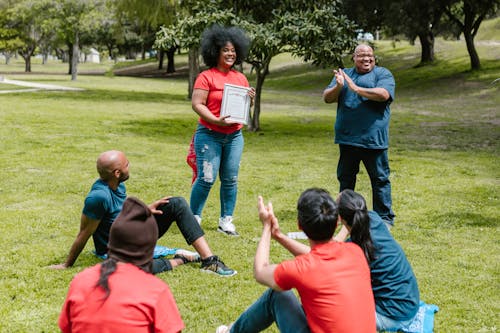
[215, 266]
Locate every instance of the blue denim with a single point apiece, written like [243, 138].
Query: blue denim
[386, 324]
[376, 162]
[216, 153]
[281, 307]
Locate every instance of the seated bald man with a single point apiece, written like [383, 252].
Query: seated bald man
[105, 201]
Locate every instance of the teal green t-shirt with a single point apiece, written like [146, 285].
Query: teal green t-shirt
[394, 284]
[362, 122]
[103, 204]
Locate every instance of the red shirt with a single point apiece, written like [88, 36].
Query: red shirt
[138, 303]
[333, 281]
[213, 81]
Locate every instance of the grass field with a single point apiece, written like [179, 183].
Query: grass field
[445, 133]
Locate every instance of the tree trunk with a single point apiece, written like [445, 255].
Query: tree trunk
[170, 60]
[161, 56]
[194, 69]
[427, 43]
[74, 60]
[260, 73]
[70, 58]
[27, 63]
[470, 28]
[475, 63]
[27, 54]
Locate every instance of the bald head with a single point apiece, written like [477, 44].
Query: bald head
[363, 48]
[109, 162]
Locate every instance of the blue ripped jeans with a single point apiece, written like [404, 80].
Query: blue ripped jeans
[216, 153]
[281, 307]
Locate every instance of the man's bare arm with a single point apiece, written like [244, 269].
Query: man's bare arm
[87, 227]
[263, 270]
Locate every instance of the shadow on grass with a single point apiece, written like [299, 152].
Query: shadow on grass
[446, 136]
[111, 95]
[445, 72]
[466, 219]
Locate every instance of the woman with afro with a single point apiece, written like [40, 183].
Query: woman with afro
[218, 142]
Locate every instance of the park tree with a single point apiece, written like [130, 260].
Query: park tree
[26, 26]
[468, 15]
[186, 33]
[76, 20]
[144, 19]
[9, 40]
[317, 33]
[411, 18]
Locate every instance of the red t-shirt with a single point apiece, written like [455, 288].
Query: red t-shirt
[333, 281]
[213, 81]
[138, 303]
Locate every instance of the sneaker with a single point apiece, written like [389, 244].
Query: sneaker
[187, 256]
[222, 329]
[226, 226]
[198, 219]
[215, 266]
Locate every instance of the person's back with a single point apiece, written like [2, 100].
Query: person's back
[394, 284]
[133, 305]
[333, 281]
[121, 294]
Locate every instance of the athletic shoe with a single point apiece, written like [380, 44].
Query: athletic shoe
[222, 329]
[226, 226]
[187, 256]
[215, 266]
[198, 219]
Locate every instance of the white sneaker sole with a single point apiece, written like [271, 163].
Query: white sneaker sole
[215, 273]
[227, 232]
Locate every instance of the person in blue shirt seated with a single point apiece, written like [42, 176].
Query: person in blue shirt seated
[105, 202]
[394, 284]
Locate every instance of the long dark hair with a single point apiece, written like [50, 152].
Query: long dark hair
[352, 209]
[108, 267]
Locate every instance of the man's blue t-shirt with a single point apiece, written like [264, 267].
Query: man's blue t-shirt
[361, 122]
[394, 284]
[103, 204]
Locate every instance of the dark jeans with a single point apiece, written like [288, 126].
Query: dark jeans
[281, 307]
[176, 210]
[376, 162]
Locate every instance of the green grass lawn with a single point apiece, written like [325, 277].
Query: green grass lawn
[445, 174]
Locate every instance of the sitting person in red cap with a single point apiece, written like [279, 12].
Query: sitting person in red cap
[104, 202]
[100, 298]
